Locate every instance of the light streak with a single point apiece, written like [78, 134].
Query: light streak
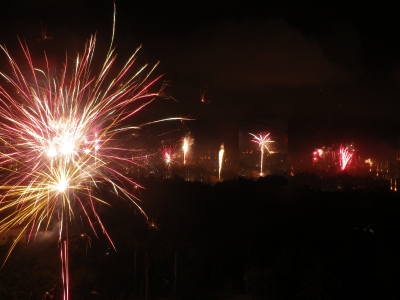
[262, 140]
[57, 140]
[220, 160]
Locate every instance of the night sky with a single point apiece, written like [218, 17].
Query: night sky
[329, 72]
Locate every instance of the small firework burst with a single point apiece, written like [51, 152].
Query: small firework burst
[263, 140]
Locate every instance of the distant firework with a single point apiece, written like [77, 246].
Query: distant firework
[317, 155]
[263, 140]
[168, 154]
[341, 157]
[203, 97]
[323, 155]
[345, 155]
[220, 160]
[187, 142]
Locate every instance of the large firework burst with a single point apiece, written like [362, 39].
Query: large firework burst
[61, 139]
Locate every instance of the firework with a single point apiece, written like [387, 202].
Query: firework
[262, 140]
[317, 155]
[345, 155]
[59, 138]
[370, 162]
[393, 184]
[220, 160]
[83, 239]
[167, 158]
[187, 142]
[44, 35]
[168, 154]
[203, 97]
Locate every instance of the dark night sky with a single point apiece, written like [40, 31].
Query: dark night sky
[331, 70]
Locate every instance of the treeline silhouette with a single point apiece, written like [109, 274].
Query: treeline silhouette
[271, 238]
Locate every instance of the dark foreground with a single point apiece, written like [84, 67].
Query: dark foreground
[267, 239]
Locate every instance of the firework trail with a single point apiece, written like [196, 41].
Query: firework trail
[345, 155]
[187, 142]
[59, 138]
[185, 149]
[220, 160]
[262, 140]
